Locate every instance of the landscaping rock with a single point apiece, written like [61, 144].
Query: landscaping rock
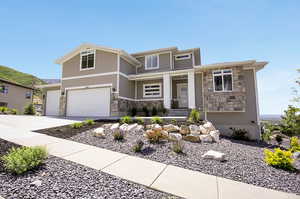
[139, 129]
[175, 136]
[206, 138]
[107, 126]
[150, 126]
[165, 134]
[123, 128]
[192, 138]
[157, 127]
[203, 130]
[99, 132]
[36, 183]
[114, 127]
[184, 130]
[209, 126]
[214, 155]
[194, 129]
[171, 128]
[132, 127]
[296, 155]
[215, 135]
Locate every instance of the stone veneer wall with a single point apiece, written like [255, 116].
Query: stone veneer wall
[225, 101]
[62, 105]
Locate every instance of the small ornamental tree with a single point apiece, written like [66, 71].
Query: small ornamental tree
[29, 110]
[291, 121]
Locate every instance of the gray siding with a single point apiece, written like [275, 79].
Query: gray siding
[183, 64]
[164, 63]
[140, 88]
[126, 67]
[127, 87]
[198, 91]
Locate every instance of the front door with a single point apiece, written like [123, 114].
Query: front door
[182, 95]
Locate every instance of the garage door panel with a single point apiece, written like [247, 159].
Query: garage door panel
[88, 102]
[52, 103]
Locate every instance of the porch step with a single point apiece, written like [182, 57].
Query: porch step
[178, 112]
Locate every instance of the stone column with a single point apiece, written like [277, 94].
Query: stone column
[191, 89]
[167, 90]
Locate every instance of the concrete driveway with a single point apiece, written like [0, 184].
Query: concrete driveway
[32, 123]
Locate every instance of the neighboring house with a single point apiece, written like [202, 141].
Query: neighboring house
[13, 95]
[101, 81]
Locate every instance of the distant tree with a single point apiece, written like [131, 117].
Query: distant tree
[296, 90]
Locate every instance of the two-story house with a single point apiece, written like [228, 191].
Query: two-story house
[100, 81]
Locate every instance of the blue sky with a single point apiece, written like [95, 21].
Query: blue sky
[34, 33]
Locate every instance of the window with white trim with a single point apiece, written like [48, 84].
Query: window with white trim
[87, 59]
[4, 89]
[182, 56]
[151, 62]
[152, 90]
[28, 94]
[222, 80]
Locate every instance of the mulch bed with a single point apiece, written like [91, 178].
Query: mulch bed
[65, 179]
[244, 160]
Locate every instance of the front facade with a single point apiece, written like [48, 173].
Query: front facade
[15, 96]
[99, 81]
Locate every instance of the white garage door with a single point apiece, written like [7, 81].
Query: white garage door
[52, 102]
[88, 102]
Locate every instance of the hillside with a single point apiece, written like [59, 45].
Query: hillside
[18, 77]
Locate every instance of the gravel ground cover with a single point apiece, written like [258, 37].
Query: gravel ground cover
[64, 179]
[244, 160]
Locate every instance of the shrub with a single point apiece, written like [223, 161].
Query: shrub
[154, 136]
[76, 125]
[89, 122]
[118, 135]
[126, 119]
[278, 138]
[239, 134]
[177, 147]
[266, 136]
[20, 160]
[291, 121]
[3, 109]
[194, 116]
[154, 111]
[140, 121]
[138, 146]
[132, 111]
[146, 111]
[294, 144]
[29, 110]
[174, 121]
[13, 111]
[162, 110]
[279, 158]
[156, 120]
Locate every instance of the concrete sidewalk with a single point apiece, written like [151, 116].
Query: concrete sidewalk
[167, 178]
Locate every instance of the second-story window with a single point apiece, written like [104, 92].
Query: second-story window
[28, 94]
[151, 62]
[4, 89]
[87, 59]
[222, 80]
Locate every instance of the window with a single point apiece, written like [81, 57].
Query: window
[182, 56]
[3, 104]
[28, 95]
[87, 60]
[151, 62]
[222, 80]
[152, 90]
[4, 89]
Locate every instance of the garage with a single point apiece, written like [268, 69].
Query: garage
[90, 102]
[52, 102]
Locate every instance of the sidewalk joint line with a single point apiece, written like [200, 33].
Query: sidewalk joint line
[73, 153]
[218, 191]
[159, 175]
[125, 156]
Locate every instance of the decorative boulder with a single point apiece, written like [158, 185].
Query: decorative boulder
[209, 126]
[150, 126]
[156, 127]
[99, 132]
[194, 129]
[132, 127]
[214, 155]
[203, 130]
[296, 155]
[175, 136]
[139, 128]
[215, 135]
[184, 130]
[192, 138]
[114, 127]
[165, 134]
[107, 126]
[123, 128]
[206, 138]
[171, 128]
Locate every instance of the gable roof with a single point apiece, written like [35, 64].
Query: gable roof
[83, 46]
[14, 83]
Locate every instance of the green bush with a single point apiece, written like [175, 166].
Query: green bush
[13, 111]
[174, 121]
[177, 147]
[20, 160]
[138, 146]
[162, 110]
[294, 145]
[266, 136]
[279, 139]
[126, 119]
[194, 116]
[89, 122]
[118, 136]
[279, 158]
[77, 125]
[156, 120]
[146, 111]
[3, 109]
[132, 111]
[140, 121]
[239, 134]
[29, 110]
[291, 121]
[154, 111]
